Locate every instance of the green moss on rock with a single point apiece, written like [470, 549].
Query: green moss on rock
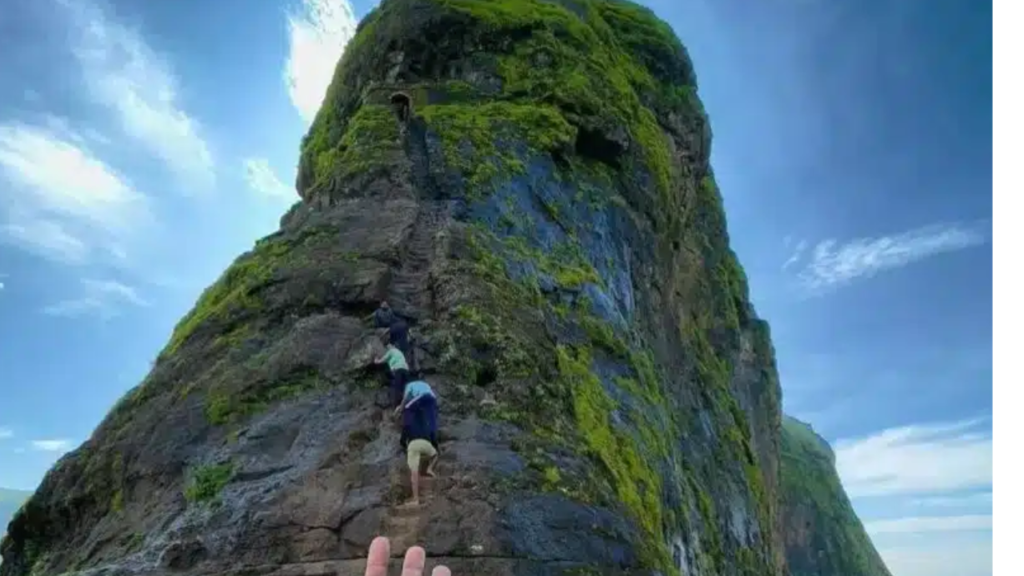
[368, 143]
[231, 292]
[472, 136]
[224, 406]
[637, 484]
[595, 65]
[206, 482]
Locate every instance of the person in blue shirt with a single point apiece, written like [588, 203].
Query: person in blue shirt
[414, 391]
[419, 432]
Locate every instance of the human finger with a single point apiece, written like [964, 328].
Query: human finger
[377, 557]
[441, 571]
[415, 560]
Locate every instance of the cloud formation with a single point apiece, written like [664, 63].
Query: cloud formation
[917, 460]
[982, 499]
[936, 554]
[63, 202]
[798, 252]
[940, 475]
[261, 178]
[56, 445]
[123, 74]
[317, 36]
[919, 524]
[831, 264]
[6, 433]
[101, 297]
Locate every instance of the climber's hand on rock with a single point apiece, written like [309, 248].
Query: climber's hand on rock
[415, 560]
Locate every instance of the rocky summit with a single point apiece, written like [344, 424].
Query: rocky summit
[527, 182]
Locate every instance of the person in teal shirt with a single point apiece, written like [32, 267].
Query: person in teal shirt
[414, 391]
[398, 370]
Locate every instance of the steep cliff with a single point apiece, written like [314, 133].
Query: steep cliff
[528, 180]
[823, 535]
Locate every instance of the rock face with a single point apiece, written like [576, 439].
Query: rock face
[528, 182]
[823, 535]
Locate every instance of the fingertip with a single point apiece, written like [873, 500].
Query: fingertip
[441, 571]
[380, 547]
[415, 561]
[377, 557]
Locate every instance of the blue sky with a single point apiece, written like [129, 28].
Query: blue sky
[144, 145]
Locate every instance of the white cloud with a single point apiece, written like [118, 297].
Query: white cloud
[59, 445]
[798, 251]
[927, 468]
[916, 460]
[833, 264]
[919, 524]
[981, 499]
[66, 179]
[46, 238]
[317, 37]
[262, 179]
[63, 201]
[121, 72]
[6, 433]
[102, 297]
[953, 554]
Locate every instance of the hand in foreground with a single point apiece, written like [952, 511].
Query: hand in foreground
[415, 560]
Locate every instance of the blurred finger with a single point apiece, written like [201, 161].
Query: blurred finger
[441, 571]
[415, 560]
[377, 557]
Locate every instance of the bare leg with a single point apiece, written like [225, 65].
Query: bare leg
[415, 488]
[430, 467]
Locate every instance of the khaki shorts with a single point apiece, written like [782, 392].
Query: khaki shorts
[417, 450]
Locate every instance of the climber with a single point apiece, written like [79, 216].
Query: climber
[398, 328]
[384, 315]
[416, 390]
[415, 560]
[398, 370]
[419, 433]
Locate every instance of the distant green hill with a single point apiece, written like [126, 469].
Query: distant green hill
[10, 501]
[822, 533]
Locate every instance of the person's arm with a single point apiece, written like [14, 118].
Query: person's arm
[413, 401]
[387, 355]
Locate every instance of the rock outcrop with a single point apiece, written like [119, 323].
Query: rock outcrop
[823, 535]
[528, 182]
